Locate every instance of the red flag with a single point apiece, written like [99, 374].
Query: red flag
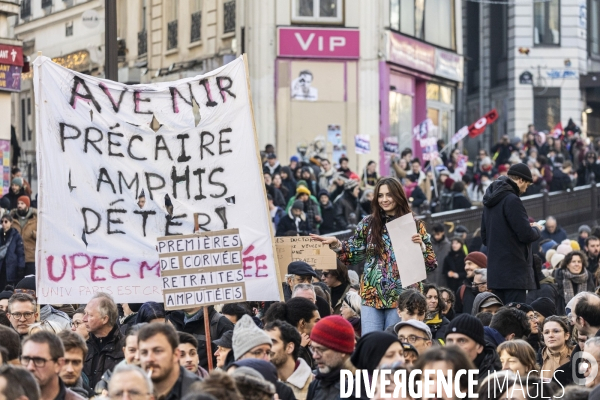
[479, 126]
[557, 131]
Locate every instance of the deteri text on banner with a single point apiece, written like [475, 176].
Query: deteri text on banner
[303, 248]
[120, 166]
[201, 269]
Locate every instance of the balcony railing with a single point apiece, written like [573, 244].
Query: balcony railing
[142, 42]
[229, 16]
[172, 35]
[196, 34]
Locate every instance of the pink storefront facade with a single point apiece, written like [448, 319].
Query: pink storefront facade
[417, 81]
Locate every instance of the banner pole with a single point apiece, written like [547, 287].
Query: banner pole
[209, 355]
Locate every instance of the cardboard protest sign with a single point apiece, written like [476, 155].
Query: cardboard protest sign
[303, 248]
[189, 146]
[201, 269]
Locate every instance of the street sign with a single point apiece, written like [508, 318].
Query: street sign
[11, 55]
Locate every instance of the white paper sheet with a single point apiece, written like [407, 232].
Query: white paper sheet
[409, 255]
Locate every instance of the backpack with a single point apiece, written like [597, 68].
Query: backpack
[446, 200]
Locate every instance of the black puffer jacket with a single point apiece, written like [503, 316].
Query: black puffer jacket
[506, 232]
[103, 355]
[219, 324]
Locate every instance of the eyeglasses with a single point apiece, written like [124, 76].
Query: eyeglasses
[476, 285]
[18, 315]
[411, 338]
[532, 318]
[37, 361]
[132, 394]
[317, 350]
[76, 324]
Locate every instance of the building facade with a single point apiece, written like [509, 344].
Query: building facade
[536, 63]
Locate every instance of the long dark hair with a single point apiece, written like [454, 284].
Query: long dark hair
[378, 219]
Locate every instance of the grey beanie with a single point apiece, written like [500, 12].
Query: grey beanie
[246, 336]
[586, 229]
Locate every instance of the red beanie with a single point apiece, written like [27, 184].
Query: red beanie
[25, 200]
[477, 258]
[335, 333]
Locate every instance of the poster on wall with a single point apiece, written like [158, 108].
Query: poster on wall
[334, 136]
[101, 144]
[362, 144]
[302, 88]
[5, 157]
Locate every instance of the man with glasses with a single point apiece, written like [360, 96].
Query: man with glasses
[332, 344]
[43, 356]
[508, 235]
[480, 281]
[249, 341]
[159, 356]
[297, 272]
[77, 324]
[22, 312]
[416, 333]
[131, 381]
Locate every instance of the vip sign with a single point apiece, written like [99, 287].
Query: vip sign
[318, 43]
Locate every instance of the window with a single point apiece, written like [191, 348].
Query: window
[546, 108]
[69, 28]
[593, 22]
[439, 23]
[229, 16]
[46, 3]
[171, 15]
[407, 16]
[23, 121]
[25, 8]
[142, 36]
[498, 44]
[196, 27]
[401, 121]
[472, 56]
[317, 11]
[546, 19]
[440, 109]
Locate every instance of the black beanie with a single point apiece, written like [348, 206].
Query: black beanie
[7, 292]
[522, 171]
[298, 205]
[27, 283]
[544, 306]
[469, 326]
[520, 306]
[371, 348]
[135, 307]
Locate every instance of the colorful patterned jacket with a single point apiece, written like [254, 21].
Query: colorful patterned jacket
[380, 285]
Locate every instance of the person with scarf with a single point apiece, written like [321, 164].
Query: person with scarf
[573, 277]
[12, 254]
[556, 350]
[381, 284]
[434, 317]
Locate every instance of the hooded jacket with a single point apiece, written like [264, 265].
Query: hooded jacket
[479, 299]
[493, 337]
[506, 232]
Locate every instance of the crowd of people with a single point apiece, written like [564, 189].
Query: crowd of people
[311, 195]
[517, 302]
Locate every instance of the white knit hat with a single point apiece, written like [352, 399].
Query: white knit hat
[556, 260]
[246, 336]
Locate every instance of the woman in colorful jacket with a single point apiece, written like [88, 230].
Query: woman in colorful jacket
[381, 285]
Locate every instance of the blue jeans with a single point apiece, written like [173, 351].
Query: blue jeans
[373, 319]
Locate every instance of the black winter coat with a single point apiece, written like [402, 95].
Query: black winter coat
[348, 212]
[328, 216]
[560, 181]
[488, 361]
[219, 324]
[460, 202]
[287, 226]
[455, 262]
[102, 357]
[506, 232]
[464, 303]
[14, 260]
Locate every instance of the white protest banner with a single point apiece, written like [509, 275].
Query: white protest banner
[460, 135]
[409, 256]
[102, 143]
[201, 269]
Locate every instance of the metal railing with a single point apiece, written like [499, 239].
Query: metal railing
[571, 208]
